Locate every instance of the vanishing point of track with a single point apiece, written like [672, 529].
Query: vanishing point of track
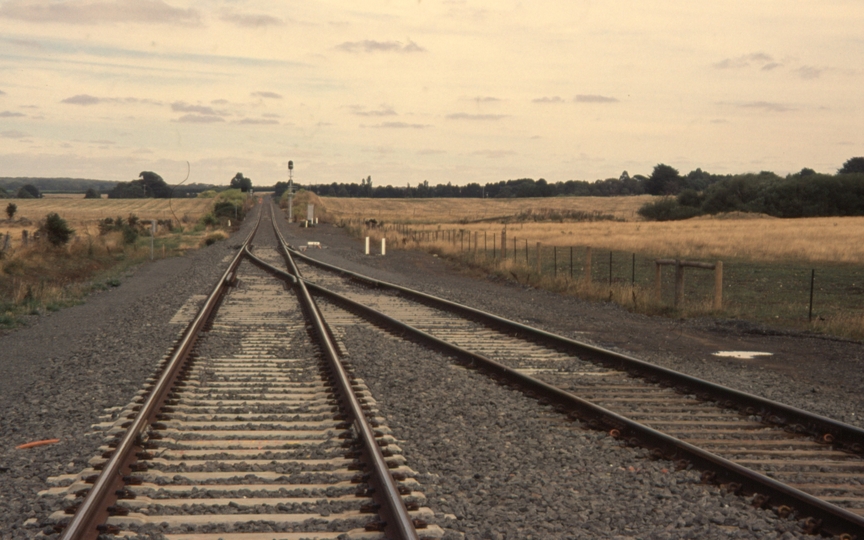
[253, 421]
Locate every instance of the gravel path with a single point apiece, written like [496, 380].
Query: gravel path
[58, 375]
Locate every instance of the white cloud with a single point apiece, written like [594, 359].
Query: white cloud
[468, 116]
[591, 98]
[371, 46]
[92, 12]
[545, 99]
[199, 119]
[398, 125]
[251, 20]
[268, 95]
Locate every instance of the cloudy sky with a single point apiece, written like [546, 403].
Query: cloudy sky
[440, 90]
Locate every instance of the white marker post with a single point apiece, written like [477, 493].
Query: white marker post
[367, 245]
[383, 246]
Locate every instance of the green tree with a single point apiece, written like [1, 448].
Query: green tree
[56, 230]
[241, 182]
[29, 191]
[853, 165]
[11, 208]
[92, 194]
[665, 180]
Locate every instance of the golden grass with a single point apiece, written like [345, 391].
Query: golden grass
[811, 239]
[83, 214]
[767, 260]
[738, 236]
[467, 210]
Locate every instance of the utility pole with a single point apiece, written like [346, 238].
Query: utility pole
[290, 192]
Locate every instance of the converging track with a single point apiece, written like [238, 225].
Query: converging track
[778, 456]
[255, 426]
[252, 428]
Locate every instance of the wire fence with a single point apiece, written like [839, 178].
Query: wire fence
[755, 290]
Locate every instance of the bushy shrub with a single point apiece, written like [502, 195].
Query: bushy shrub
[130, 234]
[92, 194]
[209, 220]
[56, 230]
[667, 209]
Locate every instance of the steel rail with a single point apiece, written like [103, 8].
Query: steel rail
[845, 435]
[833, 518]
[398, 524]
[93, 511]
[739, 478]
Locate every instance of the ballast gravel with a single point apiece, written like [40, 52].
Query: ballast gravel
[812, 372]
[495, 464]
[59, 374]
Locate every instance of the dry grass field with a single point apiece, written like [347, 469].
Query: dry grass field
[741, 236]
[434, 211]
[40, 277]
[767, 261]
[83, 214]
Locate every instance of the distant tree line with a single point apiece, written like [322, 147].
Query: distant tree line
[151, 185]
[803, 194]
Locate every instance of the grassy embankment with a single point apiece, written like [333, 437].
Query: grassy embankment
[767, 261]
[39, 277]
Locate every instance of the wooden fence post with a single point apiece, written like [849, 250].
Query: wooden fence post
[679, 283]
[538, 259]
[504, 244]
[718, 286]
[588, 265]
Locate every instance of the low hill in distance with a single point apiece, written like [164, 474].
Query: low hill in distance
[57, 185]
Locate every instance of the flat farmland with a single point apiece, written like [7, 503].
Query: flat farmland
[468, 210]
[768, 262]
[738, 236]
[83, 214]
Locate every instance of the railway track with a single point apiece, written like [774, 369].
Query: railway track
[254, 431]
[797, 463]
[250, 431]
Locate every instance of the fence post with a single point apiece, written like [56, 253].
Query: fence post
[494, 254]
[475, 242]
[610, 268]
[588, 265]
[718, 286]
[538, 260]
[504, 244]
[633, 277]
[679, 283]
[658, 282]
[812, 282]
[366, 251]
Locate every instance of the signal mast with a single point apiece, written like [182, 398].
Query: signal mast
[290, 192]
